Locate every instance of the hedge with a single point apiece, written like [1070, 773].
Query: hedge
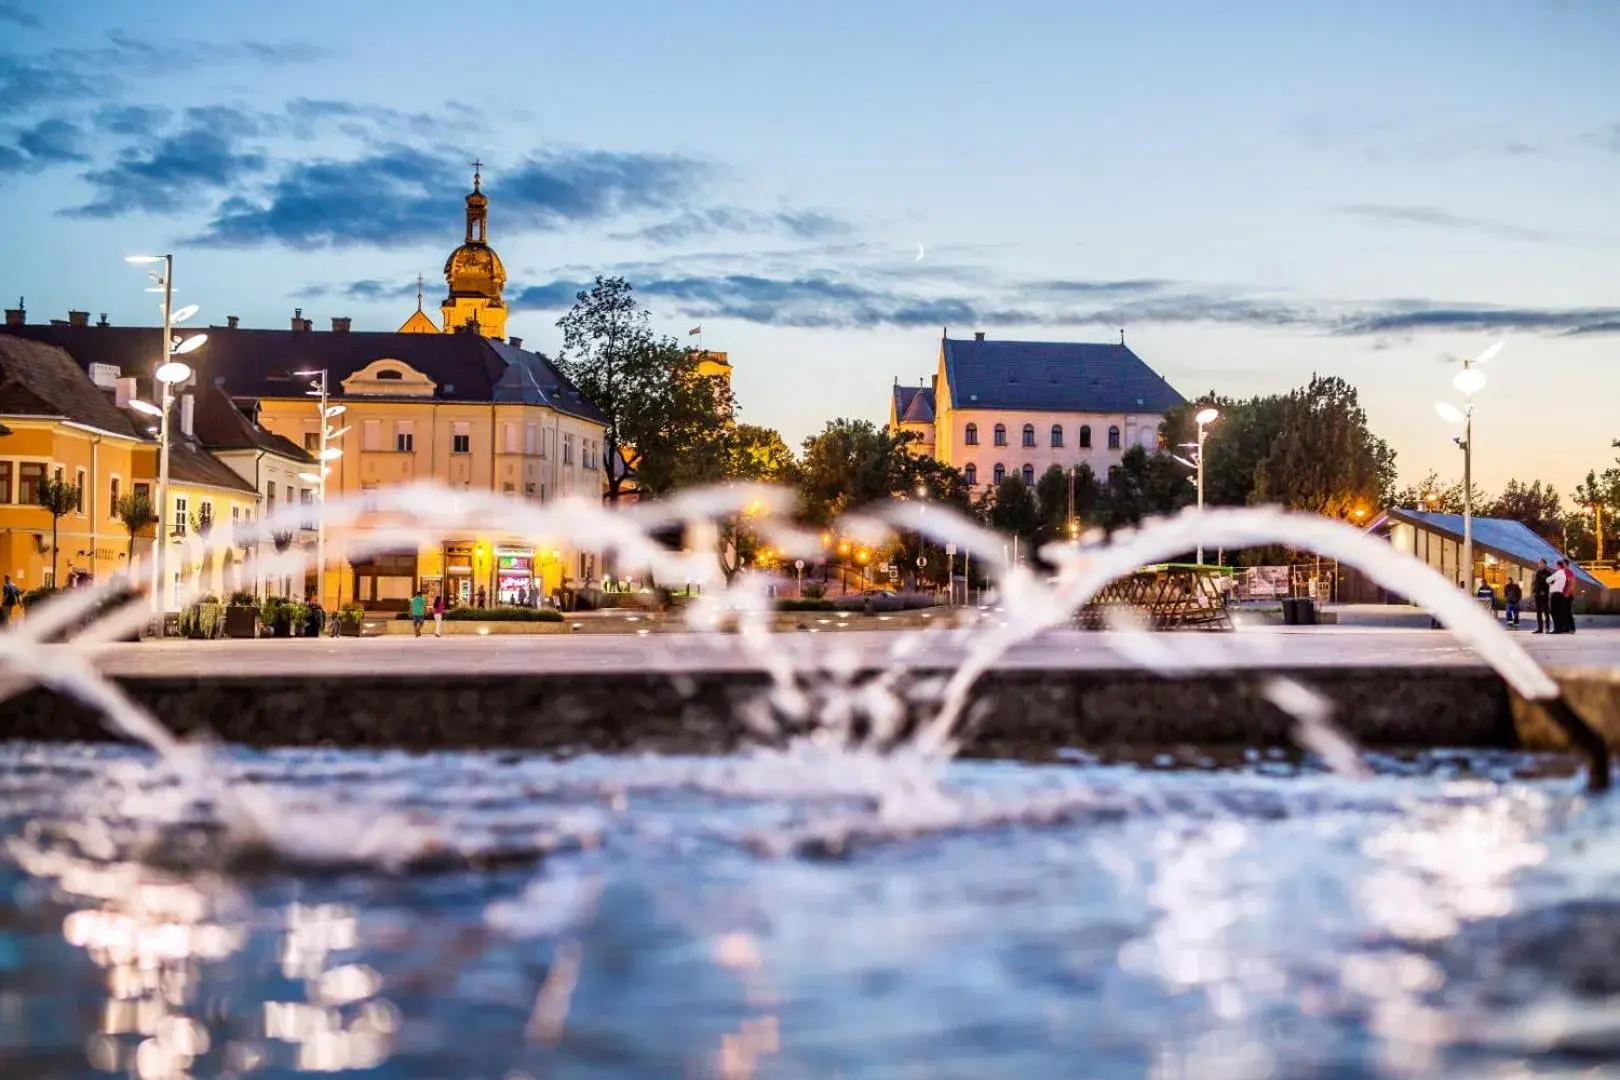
[497, 614]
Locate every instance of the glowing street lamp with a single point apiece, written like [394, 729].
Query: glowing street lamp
[1469, 381]
[326, 454]
[1204, 417]
[170, 373]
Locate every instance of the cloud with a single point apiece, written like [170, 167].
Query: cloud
[1408, 316]
[48, 142]
[696, 224]
[1434, 217]
[1608, 138]
[139, 120]
[399, 195]
[167, 173]
[14, 14]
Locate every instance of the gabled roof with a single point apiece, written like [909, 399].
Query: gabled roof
[189, 463]
[530, 377]
[41, 380]
[914, 404]
[220, 425]
[418, 323]
[261, 363]
[1045, 376]
[1502, 537]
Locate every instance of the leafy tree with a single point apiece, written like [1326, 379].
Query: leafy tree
[1442, 497]
[756, 455]
[659, 411]
[135, 512]
[1535, 505]
[935, 485]
[850, 464]
[58, 497]
[1014, 511]
[1325, 459]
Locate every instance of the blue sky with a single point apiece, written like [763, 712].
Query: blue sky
[1256, 190]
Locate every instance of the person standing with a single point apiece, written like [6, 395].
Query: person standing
[1512, 595]
[438, 615]
[10, 601]
[418, 611]
[1540, 595]
[1557, 601]
[1569, 595]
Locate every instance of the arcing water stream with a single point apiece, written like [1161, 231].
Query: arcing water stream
[839, 906]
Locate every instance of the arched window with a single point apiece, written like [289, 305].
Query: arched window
[1113, 438]
[970, 436]
[1057, 434]
[1029, 434]
[999, 473]
[391, 374]
[1029, 475]
[971, 473]
[1001, 434]
[1085, 436]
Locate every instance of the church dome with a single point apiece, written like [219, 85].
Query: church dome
[473, 269]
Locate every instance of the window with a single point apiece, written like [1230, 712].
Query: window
[270, 498]
[236, 516]
[1001, 435]
[404, 437]
[180, 515]
[971, 473]
[509, 438]
[508, 489]
[368, 498]
[461, 437]
[528, 491]
[306, 498]
[1057, 434]
[568, 449]
[590, 454]
[1029, 475]
[970, 437]
[999, 473]
[1085, 436]
[385, 375]
[112, 493]
[312, 442]
[30, 474]
[548, 437]
[144, 491]
[1113, 438]
[371, 435]
[531, 438]
[78, 490]
[1029, 434]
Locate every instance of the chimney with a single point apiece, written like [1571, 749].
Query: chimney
[298, 320]
[231, 321]
[103, 320]
[340, 325]
[123, 392]
[517, 342]
[188, 410]
[18, 315]
[78, 318]
[978, 335]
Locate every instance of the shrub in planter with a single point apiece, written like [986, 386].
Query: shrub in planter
[242, 619]
[815, 590]
[350, 619]
[502, 614]
[278, 616]
[813, 604]
[202, 621]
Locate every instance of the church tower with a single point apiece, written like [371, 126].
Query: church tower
[474, 273]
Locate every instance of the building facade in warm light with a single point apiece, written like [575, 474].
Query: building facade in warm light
[1003, 408]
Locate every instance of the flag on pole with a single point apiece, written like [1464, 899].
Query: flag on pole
[695, 331]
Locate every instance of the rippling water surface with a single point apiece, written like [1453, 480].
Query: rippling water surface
[811, 914]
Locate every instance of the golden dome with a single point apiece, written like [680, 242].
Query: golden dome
[473, 269]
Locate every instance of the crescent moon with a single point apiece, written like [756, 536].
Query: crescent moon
[920, 254]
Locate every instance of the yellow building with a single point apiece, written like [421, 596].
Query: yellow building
[64, 425]
[474, 274]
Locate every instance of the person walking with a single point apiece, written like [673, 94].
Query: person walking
[418, 611]
[1558, 603]
[1540, 595]
[438, 615]
[1569, 595]
[1512, 596]
[10, 601]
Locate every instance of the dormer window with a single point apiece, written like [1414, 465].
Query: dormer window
[390, 374]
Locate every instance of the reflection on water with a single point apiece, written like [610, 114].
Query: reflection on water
[1259, 921]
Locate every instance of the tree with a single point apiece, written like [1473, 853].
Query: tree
[134, 511]
[58, 497]
[1235, 445]
[1537, 506]
[1143, 485]
[660, 412]
[751, 454]
[850, 464]
[1013, 509]
[1435, 495]
[1324, 459]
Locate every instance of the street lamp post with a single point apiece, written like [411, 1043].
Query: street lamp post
[169, 373]
[1205, 418]
[326, 453]
[1469, 381]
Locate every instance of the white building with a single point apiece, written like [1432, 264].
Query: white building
[998, 408]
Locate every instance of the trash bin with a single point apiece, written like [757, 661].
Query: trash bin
[1290, 608]
[1307, 611]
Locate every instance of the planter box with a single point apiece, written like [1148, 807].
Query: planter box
[348, 629]
[241, 622]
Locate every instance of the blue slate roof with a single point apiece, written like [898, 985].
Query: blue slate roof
[1502, 537]
[1051, 376]
[914, 404]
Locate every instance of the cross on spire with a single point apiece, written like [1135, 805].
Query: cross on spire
[418, 292]
[478, 170]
